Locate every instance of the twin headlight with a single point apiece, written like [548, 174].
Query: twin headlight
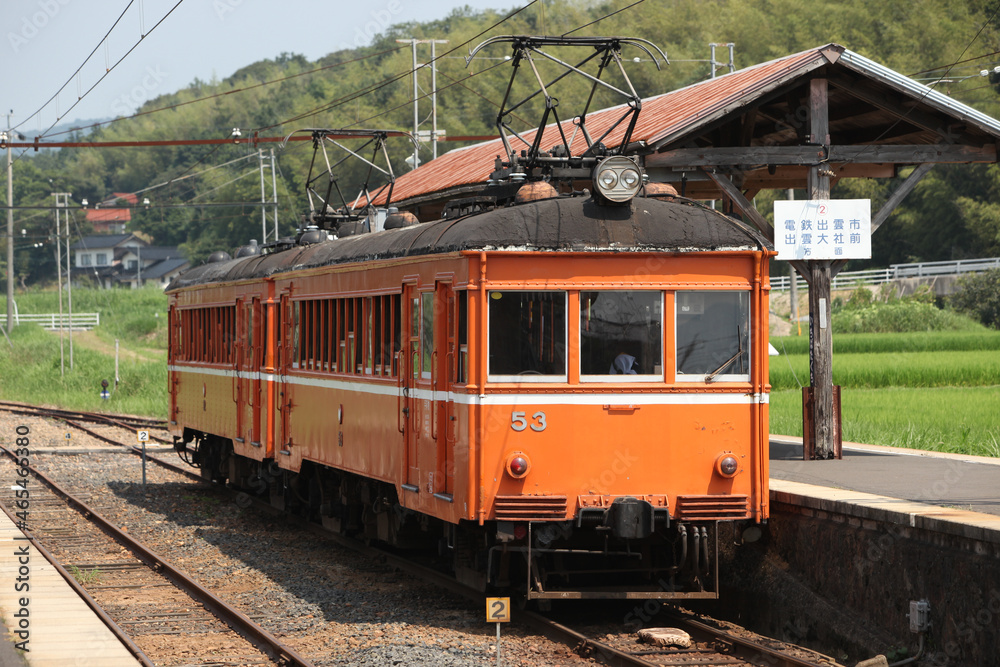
[617, 178]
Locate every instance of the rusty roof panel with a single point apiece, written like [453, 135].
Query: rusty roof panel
[668, 119]
[662, 119]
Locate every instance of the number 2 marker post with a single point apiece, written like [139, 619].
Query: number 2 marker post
[498, 611]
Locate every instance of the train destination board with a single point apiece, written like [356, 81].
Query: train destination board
[823, 229]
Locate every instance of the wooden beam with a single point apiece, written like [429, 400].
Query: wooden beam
[810, 155]
[750, 212]
[741, 202]
[823, 437]
[889, 100]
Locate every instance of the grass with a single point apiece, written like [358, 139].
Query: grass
[33, 373]
[984, 339]
[945, 419]
[930, 390]
[894, 369]
[84, 577]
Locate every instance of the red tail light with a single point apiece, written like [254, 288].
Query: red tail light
[518, 465]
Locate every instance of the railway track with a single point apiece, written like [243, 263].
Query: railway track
[124, 421]
[712, 645]
[139, 594]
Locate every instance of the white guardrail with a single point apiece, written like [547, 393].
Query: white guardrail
[847, 279]
[51, 321]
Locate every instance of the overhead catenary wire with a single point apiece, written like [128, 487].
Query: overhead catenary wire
[103, 76]
[235, 91]
[77, 71]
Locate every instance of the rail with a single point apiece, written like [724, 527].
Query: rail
[847, 279]
[52, 321]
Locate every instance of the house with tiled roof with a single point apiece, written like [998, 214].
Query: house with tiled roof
[125, 260]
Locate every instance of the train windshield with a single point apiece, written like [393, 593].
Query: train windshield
[713, 336]
[527, 336]
[621, 336]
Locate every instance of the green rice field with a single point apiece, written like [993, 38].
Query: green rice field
[935, 390]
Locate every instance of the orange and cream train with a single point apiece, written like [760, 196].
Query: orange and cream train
[568, 395]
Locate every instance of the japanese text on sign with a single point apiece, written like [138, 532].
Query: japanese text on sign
[823, 229]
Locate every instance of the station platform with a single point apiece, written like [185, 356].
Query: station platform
[59, 627]
[945, 493]
[956, 481]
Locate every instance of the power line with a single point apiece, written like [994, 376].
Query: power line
[587, 25]
[85, 61]
[226, 93]
[370, 89]
[928, 92]
[957, 62]
[108, 70]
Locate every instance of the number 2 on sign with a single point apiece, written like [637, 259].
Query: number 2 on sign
[497, 610]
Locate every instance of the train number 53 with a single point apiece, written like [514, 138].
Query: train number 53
[519, 421]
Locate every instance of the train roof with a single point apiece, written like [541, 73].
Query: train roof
[567, 223]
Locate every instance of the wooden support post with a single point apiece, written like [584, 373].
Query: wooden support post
[823, 439]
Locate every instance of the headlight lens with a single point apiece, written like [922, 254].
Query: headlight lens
[617, 178]
[727, 465]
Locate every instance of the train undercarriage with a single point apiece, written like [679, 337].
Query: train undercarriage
[627, 551]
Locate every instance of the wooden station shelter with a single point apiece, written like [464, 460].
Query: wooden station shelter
[804, 121]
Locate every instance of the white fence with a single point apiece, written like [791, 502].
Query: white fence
[51, 321]
[846, 279]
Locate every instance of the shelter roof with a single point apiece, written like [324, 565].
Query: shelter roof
[759, 114]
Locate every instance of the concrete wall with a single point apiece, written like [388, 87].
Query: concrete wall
[839, 577]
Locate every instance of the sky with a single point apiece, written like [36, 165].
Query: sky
[45, 41]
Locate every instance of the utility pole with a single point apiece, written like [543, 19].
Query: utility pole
[731, 64]
[69, 278]
[62, 353]
[416, 95]
[10, 229]
[434, 100]
[263, 196]
[274, 194]
[263, 211]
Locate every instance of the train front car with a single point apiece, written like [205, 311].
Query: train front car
[619, 371]
[571, 390]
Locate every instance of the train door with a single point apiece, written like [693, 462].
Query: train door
[174, 353]
[288, 331]
[409, 375]
[445, 376]
[249, 362]
[239, 371]
[255, 361]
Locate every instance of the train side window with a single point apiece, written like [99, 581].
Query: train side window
[621, 336]
[426, 333]
[527, 336]
[298, 349]
[713, 336]
[463, 337]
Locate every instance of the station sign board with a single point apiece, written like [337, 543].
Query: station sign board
[823, 229]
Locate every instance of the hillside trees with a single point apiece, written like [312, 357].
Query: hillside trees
[953, 212]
